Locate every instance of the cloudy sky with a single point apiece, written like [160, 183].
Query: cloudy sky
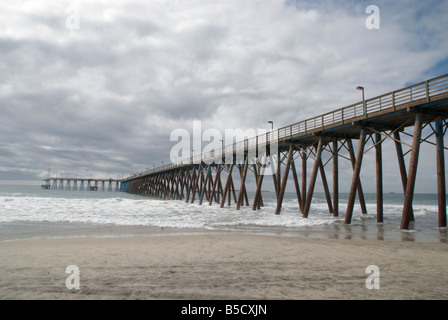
[94, 88]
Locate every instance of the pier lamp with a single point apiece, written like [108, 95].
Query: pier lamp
[272, 129]
[363, 100]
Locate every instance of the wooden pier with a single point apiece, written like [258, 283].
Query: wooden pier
[88, 184]
[208, 177]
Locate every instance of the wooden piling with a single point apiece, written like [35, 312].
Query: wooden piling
[325, 185]
[335, 178]
[362, 201]
[355, 178]
[257, 199]
[206, 181]
[258, 175]
[309, 196]
[402, 166]
[412, 174]
[441, 189]
[196, 184]
[227, 186]
[296, 184]
[379, 178]
[274, 174]
[215, 183]
[284, 181]
[242, 185]
[304, 160]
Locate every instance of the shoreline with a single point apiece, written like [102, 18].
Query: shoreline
[11, 231]
[221, 266]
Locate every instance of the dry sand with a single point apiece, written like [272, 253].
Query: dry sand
[222, 266]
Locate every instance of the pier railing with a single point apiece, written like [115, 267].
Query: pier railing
[426, 91]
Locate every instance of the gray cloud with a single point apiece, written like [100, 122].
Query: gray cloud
[104, 99]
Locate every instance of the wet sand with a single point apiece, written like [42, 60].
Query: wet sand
[358, 230]
[222, 266]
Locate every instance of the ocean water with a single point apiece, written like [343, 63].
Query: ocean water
[29, 211]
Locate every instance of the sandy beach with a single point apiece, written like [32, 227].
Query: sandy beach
[222, 266]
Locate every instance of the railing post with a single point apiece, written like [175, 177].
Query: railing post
[393, 101]
[427, 90]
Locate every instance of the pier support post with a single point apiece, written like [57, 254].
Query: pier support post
[242, 190]
[362, 201]
[227, 186]
[304, 160]
[296, 184]
[284, 181]
[413, 163]
[335, 179]
[309, 196]
[257, 200]
[325, 185]
[379, 178]
[189, 187]
[274, 173]
[402, 166]
[232, 188]
[259, 174]
[355, 179]
[208, 178]
[195, 184]
[215, 182]
[441, 189]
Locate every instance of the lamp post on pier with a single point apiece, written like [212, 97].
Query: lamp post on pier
[363, 100]
[272, 129]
